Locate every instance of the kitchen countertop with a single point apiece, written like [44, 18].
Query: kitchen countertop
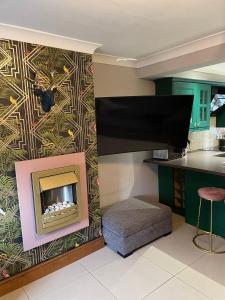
[199, 160]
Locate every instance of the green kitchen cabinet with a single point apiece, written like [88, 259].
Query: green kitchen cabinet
[192, 181]
[200, 118]
[219, 88]
[186, 88]
[166, 185]
[171, 188]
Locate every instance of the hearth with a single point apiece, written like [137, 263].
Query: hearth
[57, 198]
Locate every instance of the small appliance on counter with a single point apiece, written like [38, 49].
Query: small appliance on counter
[168, 154]
[160, 154]
[222, 145]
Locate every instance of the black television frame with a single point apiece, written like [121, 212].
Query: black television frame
[106, 142]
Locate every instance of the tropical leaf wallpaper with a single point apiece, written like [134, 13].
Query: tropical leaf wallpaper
[26, 132]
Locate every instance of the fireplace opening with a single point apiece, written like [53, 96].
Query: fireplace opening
[56, 198]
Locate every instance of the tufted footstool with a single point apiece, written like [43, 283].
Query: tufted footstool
[132, 223]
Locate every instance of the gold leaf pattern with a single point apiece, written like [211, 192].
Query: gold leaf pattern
[28, 133]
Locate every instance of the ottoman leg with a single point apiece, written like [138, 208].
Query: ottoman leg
[167, 233]
[125, 255]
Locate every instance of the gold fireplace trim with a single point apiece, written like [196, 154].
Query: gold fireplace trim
[54, 181]
[50, 179]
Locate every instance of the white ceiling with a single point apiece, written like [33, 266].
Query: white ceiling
[127, 28]
[218, 69]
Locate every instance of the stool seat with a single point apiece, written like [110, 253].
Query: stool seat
[212, 193]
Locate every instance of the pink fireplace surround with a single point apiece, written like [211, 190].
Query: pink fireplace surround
[24, 187]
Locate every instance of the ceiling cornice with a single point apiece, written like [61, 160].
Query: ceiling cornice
[29, 35]
[114, 60]
[45, 38]
[187, 48]
[196, 74]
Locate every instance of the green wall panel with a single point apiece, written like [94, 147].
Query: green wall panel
[164, 86]
[220, 118]
[26, 132]
[166, 186]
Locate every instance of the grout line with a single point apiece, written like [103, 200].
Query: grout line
[61, 270]
[194, 288]
[155, 264]
[103, 265]
[174, 275]
[26, 293]
[93, 276]
[186, 265]
[190, 264]
[157, 288]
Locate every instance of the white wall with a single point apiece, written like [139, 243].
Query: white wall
[123, 175]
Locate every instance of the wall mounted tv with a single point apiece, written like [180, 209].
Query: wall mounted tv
[140, 123]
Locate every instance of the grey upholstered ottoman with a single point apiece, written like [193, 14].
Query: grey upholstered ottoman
[132, 223]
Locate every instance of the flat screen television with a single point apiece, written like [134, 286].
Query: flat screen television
[140, 123]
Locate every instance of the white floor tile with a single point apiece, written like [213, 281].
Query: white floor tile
[147, 274]
[99, 258]
[55, 280]
[131, 278]
[179, 245]
[15, 295]
[86, 287]
[163, 260]
[203, 284]
[177, 221]
[210, 265]
[175, 289]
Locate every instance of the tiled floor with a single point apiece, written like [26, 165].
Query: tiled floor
[170, 268]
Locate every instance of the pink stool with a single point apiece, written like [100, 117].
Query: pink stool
[211, 194]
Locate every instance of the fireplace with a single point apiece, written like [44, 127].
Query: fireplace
[42, 182]
[57, 198]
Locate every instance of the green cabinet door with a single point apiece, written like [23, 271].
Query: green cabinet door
[204, 96]
[186, 88]
[200, 117]
[166, 185]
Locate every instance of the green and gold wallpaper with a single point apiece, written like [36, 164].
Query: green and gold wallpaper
[26, 132]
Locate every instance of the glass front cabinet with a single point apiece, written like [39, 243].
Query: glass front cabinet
[200, 118]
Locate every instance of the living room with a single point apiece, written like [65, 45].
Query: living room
[55, 59]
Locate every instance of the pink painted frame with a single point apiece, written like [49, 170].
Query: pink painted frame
[24, 187]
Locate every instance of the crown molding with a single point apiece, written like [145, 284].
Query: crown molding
[187, 48]
[199, 75]
[29, 35]
[45, 38]
[114, 60]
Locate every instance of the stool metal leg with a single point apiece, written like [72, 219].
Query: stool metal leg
[211, 224]
[199, 214]
[200, 232]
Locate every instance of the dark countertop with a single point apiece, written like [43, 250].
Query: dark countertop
[199, 160]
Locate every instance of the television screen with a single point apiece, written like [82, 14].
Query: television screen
[140, 123]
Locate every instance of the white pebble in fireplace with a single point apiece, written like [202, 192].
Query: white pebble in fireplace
[58, 206]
